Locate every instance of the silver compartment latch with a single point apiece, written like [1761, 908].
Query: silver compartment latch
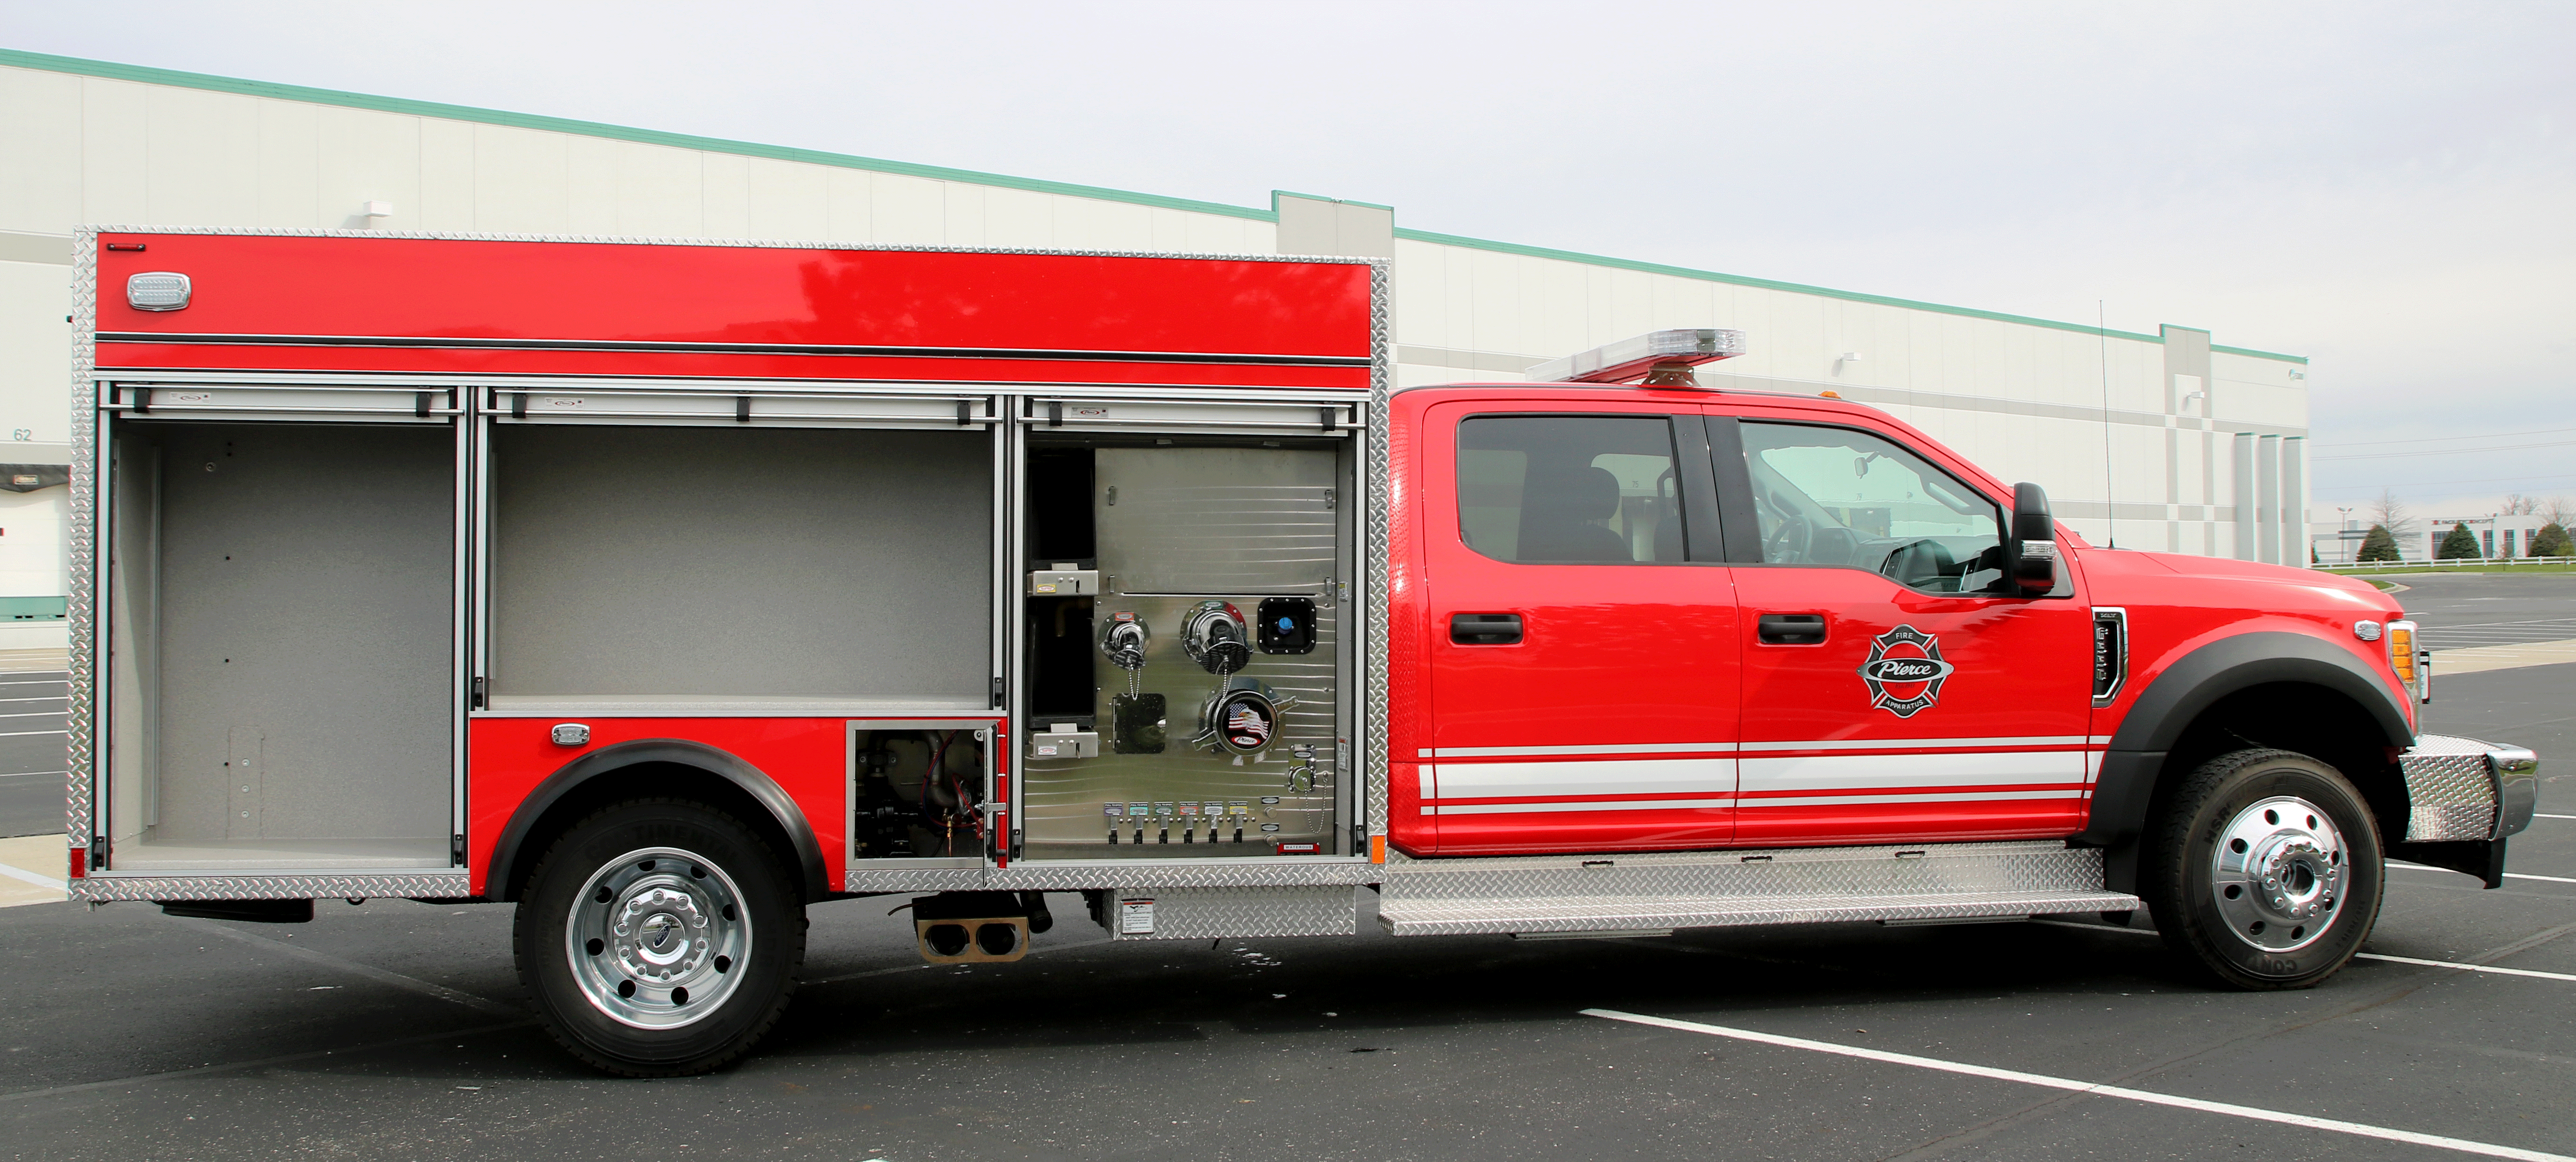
[571, 734]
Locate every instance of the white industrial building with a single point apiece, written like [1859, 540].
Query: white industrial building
[2161, 441]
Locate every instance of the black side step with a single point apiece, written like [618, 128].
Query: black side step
[247, 911]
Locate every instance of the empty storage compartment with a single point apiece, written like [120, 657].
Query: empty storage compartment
[282, 681]
[740, 570]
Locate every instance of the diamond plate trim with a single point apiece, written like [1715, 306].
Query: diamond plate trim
[81, 757]
[1250, 873]
[1782, 876]
[1243, 913]
[929, 879]
[86, 236]
[1627, 915]
[420, 886]
[1374, 571]
[2451, 790]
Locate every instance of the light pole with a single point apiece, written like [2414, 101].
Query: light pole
[2351, 548]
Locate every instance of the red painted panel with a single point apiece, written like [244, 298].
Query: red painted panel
[509, 757]
[1615, 659]
[683, 364]
[250, 284]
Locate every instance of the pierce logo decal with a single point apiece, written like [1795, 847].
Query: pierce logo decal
[1904, 672]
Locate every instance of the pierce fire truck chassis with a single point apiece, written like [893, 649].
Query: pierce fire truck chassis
[665, 588]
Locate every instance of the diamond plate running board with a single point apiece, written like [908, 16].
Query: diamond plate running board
[1441, 897]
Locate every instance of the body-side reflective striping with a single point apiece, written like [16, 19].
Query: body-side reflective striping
[1460, 752]
[1859, 772]
[1496, 780]
[1594, 805]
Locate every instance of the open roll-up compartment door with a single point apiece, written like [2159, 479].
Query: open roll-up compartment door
[307, 400]
[1264, 417]
[280, 572]
[729, 404]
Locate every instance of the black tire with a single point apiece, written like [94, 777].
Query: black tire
[706, 904]
[2243, 815]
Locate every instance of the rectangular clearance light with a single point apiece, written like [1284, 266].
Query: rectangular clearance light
[1635, 358]
[159, 290]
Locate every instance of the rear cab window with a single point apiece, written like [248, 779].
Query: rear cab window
[1570, 489]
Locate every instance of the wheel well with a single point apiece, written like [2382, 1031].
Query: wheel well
[2322, 723]
[641, 780]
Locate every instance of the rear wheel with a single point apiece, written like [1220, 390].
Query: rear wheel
[2265, 870]
[660, 937]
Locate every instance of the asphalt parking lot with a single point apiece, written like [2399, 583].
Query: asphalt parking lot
[394, 1029]
[31, 747]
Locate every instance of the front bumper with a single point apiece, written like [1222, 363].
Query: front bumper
[2462, 790]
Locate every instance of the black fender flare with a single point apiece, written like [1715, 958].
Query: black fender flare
[2195, 682]
[509, 854]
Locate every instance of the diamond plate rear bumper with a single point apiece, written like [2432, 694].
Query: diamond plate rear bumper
[2460, 789]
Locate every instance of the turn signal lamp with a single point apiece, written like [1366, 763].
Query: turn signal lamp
[1660, 358]
[2412, 669]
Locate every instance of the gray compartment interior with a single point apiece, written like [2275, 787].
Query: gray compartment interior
[281, 618]
[741, 563]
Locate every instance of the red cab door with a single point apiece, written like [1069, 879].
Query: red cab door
[1582, 636]
[1895, 689]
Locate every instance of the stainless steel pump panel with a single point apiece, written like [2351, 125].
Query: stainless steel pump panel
[1218, 739]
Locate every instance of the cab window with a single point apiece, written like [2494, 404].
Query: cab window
[1837, 496]
[1569, 489]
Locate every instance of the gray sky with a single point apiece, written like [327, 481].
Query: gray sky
[2387, 188]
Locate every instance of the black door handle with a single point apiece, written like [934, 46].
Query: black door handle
[1485, 629]
[1793, 629]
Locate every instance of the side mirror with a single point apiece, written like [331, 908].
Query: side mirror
[2034, 541]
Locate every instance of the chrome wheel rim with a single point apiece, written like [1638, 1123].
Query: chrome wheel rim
[2279, 873]
[657, 938]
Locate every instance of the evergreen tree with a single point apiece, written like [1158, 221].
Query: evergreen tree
[2459, 545]
[2551, 541]
[2378, 545]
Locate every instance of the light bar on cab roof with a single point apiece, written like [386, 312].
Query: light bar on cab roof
[1662, 358]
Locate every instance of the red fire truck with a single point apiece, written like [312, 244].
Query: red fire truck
[667, 588]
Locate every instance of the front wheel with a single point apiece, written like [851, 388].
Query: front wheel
[659, 938]
[2265, 869]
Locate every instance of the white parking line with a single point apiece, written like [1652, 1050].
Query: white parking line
[2421, 867]
[2532, 972]
[2303, 1121]
[2466, 967]
[25, 733]
[31, 774]
[38, 714]
[2546, 815]
[38, 879]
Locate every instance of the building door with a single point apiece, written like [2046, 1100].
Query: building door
[1895, 688]
[1582, 637]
